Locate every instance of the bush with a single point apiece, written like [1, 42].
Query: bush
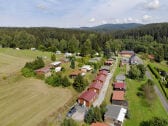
[152, 69]
[56, 80]
[26, 72]
[80, 83]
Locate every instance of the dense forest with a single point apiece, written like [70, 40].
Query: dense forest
[151, 39]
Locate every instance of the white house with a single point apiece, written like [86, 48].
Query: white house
[33, 49]
[57, 69]
[86, 68]
[58, 52]
[56, 64]
[68, 54]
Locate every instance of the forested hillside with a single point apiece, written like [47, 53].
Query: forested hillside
[150, 39]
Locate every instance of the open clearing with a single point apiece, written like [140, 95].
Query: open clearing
[26, 101]
[139, 112]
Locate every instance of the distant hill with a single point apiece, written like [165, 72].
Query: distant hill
[111, 27]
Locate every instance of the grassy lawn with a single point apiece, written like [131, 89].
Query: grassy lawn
[138, 111]
[28, 101]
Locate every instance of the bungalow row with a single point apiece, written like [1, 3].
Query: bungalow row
[90, 95]
[116, 112]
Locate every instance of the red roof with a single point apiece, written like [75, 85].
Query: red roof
[108, 62]
[88, 95]
[118, 95]
[76, 73]
[120, 85]
[100, 78]
[98, 124]
[44, 69]
[96, 85]
[127, 52]
[104, 72]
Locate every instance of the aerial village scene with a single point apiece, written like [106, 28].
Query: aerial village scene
[84, 63]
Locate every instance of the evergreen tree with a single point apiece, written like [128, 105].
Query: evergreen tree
[53, 57]
[80, 83]
[72, 63]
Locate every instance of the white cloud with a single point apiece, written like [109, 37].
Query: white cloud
[154, 4]
[146, 18]
[42, 6]
[92, 20]
[104, 22]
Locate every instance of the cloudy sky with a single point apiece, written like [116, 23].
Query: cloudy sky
[77, 13]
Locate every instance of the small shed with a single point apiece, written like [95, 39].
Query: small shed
[118, 97]
[120, 78]
[87, 98]
[58, 69]
[33, 49]
[115, 115]
[121, 86]
[56, 64]
[108, 62]
[44, 71]
[58, 52]
[107, 68]
[75, 73]
[86, 68]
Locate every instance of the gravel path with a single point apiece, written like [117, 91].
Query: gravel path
[161, 97]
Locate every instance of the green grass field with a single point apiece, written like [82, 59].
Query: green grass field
[138, 111]
[26, 101]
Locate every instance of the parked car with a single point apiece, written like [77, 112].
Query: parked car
[71, 112]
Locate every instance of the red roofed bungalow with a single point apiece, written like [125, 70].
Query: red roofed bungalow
[96, 87]
[43, 71]
[118, 97]
[98, 124]
[119, 86]
[151, 57]
[108, 62]
[87, 98]
[100, 78]
[126, 53]
[103, 72]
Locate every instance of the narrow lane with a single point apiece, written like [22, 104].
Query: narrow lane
[161, 97]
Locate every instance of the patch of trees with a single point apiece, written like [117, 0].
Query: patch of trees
[28, 69]
[147, 93]
[137, 71]
[155, 121]
[69, 122]
[95, 114]
[56, 79]
[80, 83]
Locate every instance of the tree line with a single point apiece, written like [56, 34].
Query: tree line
[151, 39]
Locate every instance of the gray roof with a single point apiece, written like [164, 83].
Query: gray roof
[105, 68]
[120, 77]
[113, 111]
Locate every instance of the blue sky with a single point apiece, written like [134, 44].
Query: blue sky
[78, 13]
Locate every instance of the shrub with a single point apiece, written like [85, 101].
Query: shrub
[27, 72]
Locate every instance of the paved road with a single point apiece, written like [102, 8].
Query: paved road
[161, 97]
[103, 91]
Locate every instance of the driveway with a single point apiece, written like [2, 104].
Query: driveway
[103, 91]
